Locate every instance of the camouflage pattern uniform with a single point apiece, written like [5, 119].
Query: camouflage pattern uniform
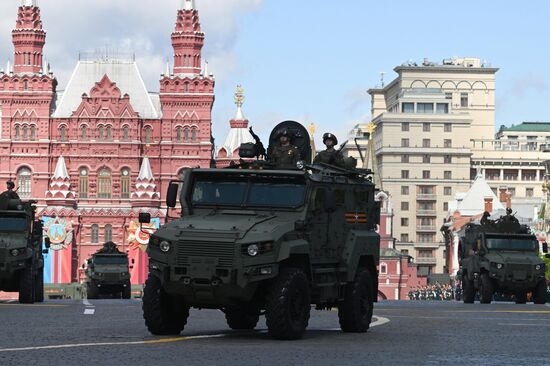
[284, 157]
[333, 157]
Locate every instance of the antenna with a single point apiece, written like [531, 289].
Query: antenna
[382, 73]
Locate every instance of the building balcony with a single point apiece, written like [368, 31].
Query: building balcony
[426, 245]
[425, 260]
[421, 212]
[426, 228]
[426, 197]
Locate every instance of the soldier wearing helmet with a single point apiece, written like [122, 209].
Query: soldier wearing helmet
[10, 194]
[330, 155]
[284, 155]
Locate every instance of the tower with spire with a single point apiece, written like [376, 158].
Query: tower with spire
[238, 133]
[187, 91]
[28, 39]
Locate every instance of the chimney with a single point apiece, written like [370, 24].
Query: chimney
[488, 204]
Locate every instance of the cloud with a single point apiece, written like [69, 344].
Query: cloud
[143, 27]
[528, 83]
[356, 98]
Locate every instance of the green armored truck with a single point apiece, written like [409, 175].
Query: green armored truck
[257, 240]
[501, 256]
[21, 256]
[107, 273]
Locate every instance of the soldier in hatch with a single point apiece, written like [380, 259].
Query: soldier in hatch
[330, 155]
[284, 155]
[9, 192]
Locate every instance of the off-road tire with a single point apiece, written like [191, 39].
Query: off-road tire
[521, 297]
[288, 305]
[39, 286]
[355, 312]
[469, 291]
[239, 319]
[92, 292]
[26, 285]
[164, 314]
[127, 291]
[487, 289]
[539, 293]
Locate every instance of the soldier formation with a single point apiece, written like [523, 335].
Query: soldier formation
[433, 292]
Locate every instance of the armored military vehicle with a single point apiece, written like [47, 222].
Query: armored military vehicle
[500, 256]
[107, 273]
[21, 257]
[255, 240]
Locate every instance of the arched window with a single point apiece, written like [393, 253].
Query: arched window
[108, 233]
[194, 135]
[186, 135]
[125, 133]
[125, 183]
[178, 134]
[100, 134]
[147, 135]
[25, 85]
[63, 133]
[84, 133]
[384, 268]
[83, 183]
[17, 132]
[24, 176]
[95, 234]
[33, 133]
[109, 133]
[25, 132]
[104, 184]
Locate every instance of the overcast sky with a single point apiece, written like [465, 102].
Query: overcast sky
[310, 60]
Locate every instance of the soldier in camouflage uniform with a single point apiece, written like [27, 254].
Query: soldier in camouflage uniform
[285, 155]
[330, 155]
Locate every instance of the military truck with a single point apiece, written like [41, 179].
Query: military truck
[21, 253]
[500, 256]
[255, 240]
[108, 273]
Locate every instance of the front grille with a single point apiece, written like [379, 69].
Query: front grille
[223, 252]
[111, 276]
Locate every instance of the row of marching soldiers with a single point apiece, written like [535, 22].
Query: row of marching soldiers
[284, 155]
[433, 292]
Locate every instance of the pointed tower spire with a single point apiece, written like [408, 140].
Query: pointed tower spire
[167, 72]
[8, 67]
[60, 193]
[28, 39]
[205, 70]
[187, 40]
[146, 194]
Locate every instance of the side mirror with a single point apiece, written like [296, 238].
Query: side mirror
[172, 194]
[47, 242]
[545, 247]
[329, 205]
[144, 218]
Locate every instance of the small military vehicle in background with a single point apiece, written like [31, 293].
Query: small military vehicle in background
[21, 256]
[501, 256]
[257, 240]
[108, 273]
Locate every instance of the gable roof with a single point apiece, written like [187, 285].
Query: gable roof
[124, 73]
[473, 202]
[528, 127]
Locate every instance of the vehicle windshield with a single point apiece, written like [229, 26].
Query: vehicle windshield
[110, 260]
[10, 223]
[246, 191]
[511, 243]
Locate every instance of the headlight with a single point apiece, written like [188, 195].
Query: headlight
[538, 267]
[14, 252]
[164, 246]
[500, 265]
[300, 164]
[253, 250]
